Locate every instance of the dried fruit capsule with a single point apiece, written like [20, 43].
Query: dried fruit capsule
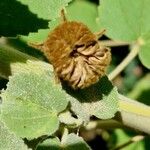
[76, 55]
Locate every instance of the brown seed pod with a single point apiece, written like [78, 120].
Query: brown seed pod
[76, 55]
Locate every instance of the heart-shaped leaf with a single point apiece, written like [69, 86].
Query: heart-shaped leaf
[31, 103]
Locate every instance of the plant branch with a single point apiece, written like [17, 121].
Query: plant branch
[128, 105]
[132, 114]
[132, 54]
[104, 124]
[64, 135]
[110, 43]
[134, 139]
[13, 61]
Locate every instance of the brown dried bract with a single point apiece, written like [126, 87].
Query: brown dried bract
[76, 55]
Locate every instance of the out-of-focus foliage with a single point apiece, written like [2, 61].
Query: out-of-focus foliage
[128, 21]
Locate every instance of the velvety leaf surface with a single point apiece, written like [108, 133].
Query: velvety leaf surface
[42, 34]
[74, 142]
[16, 18]
[128, 20]
[24, 16]
[52, 143]
[144, 53]
[86, 12]
[31, 103]
[125, 20]
[71, 142]
[9, 141]
[100, 100]
[47, 9]
[89, 17]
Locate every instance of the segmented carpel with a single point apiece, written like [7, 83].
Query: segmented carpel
[76, 54]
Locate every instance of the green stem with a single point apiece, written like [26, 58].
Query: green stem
[134, 114]
[104, 124]
[131, 114]
[13, 61]
[110, 43]
[128, 105]
[64, 135]
[133, 53]
[132, 140]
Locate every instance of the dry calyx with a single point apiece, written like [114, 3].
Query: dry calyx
[76, 54]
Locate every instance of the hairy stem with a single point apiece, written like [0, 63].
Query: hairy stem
[132, 54]
[64, 135]
[104, 124]
[128, 105]
[110, 43]
[132, 114]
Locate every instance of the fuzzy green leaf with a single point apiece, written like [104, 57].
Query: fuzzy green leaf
[144, 53]
[46, 9]
[100, 100]
[71, 142]
[89, 17]
[31, 103]
[24, 16]
[125, 19]
[15, 18]
[128, 20]
[67, 118]
[9, 141]
[52, 143]
[42, 34]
